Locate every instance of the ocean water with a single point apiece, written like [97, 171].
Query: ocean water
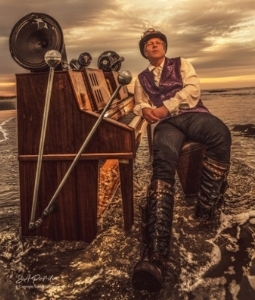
[235, 107]
[210, 263]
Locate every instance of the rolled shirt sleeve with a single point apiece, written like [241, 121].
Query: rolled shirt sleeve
[186, 98]
[141, 99]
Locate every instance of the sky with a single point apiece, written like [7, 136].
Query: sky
[217, 37]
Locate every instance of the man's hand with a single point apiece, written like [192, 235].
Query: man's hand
[153, 115]
[161, 112]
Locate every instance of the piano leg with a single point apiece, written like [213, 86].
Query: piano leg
[127, 190]
[86, 174]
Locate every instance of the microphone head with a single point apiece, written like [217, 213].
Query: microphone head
[52, 58]
[124, 77]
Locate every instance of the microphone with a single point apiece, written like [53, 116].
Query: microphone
[52, 58]
[124, 77]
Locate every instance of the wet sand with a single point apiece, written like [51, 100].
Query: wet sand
[7, 114]
[210, 263]
[4, 116]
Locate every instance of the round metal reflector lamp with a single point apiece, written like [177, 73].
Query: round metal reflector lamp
[109, 61]
[31, 37]
[84, 59]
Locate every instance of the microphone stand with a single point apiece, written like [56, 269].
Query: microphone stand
[41, 144]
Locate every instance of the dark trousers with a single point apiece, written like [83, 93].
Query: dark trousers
[170, 134]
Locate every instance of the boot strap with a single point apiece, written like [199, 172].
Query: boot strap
[218, 170]
[162, 187]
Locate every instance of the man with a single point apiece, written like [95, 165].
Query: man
[168, 92]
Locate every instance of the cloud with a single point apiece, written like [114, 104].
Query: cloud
[217, 36]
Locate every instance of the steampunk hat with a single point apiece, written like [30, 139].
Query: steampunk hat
[150, 34]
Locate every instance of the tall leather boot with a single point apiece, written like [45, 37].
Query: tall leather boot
[156, 233]
[212, 189]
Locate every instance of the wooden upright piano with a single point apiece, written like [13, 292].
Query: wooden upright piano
[76, 101]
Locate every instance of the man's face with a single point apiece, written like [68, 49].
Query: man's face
[154, 49]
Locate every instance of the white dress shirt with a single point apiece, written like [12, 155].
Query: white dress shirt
[187, 97]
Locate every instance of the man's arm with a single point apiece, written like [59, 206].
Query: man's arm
[189, 96]
[141, 99]
[143, 106]
[186, 98]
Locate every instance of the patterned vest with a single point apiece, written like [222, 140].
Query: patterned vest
[170, 84]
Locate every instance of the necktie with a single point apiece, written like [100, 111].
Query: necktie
[157, 73]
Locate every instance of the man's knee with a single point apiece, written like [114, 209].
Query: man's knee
[225, 137]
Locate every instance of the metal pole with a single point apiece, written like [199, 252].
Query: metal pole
[41, 145]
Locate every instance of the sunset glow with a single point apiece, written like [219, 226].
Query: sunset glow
[216, 36]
